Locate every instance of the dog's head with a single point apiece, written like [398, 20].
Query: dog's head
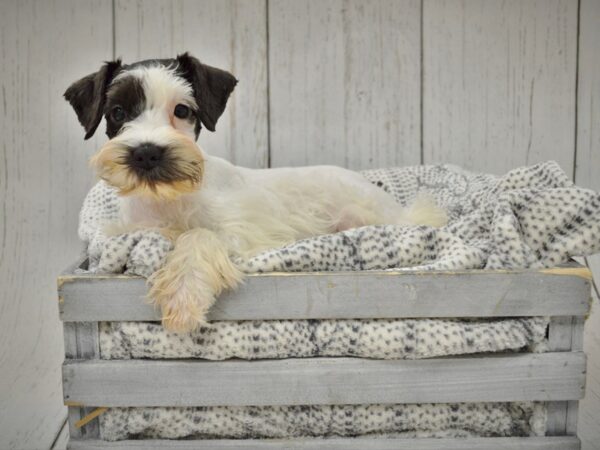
[154, 111]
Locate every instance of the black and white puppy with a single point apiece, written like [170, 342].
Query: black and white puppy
[215, 212]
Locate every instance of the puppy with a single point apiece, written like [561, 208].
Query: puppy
[215, 213]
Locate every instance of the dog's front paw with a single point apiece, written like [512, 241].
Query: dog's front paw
[184, 301]
[196, 272]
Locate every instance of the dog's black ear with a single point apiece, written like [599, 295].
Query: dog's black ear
[212, 88]
[87, 96]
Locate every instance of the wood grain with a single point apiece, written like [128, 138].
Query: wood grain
[588, 427]
[370, 294]
[46, 45]
[588, 99]
[344, 79]
[81, 342]
[525, 443]
[231, 35]
[560, 333]
[564, 334]
[499, 82]
[556, 418]
[325, 381]
[587, 174]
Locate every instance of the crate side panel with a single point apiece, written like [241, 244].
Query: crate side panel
[331, 381]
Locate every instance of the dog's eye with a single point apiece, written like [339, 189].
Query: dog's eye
[182, 111]
[117, 114]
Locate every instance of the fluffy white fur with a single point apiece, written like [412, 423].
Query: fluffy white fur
[231, 212]
[238, 212]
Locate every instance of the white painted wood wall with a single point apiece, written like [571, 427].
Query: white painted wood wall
[485, 84]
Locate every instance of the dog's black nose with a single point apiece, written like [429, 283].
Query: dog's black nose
[147, 156]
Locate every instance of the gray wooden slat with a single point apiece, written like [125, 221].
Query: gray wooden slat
[573, 406]
[550, 376]
[231, 35]
[344, 81]
[499, 82]
[374, 294]
[572, 415]
[556, 418]
[44, 175]
[560, 331]
[560, 334]
[520, 443]
[90, 431]
[81, 341]
[577, 333]
[70, 339]
[589, 407]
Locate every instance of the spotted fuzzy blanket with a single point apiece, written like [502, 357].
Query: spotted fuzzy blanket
[380, 339]
[530, 218]
[256, 422]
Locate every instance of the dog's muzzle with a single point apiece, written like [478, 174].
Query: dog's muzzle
[174, 165]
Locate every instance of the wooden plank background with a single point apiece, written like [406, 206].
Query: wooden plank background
[487, 84]
[344, 81]
[587, 174]
[43, 178]
[227, 34]
[499, 80]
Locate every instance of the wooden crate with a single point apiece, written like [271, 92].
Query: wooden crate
[556, 377]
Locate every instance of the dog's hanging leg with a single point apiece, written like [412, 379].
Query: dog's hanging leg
[196, 271]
